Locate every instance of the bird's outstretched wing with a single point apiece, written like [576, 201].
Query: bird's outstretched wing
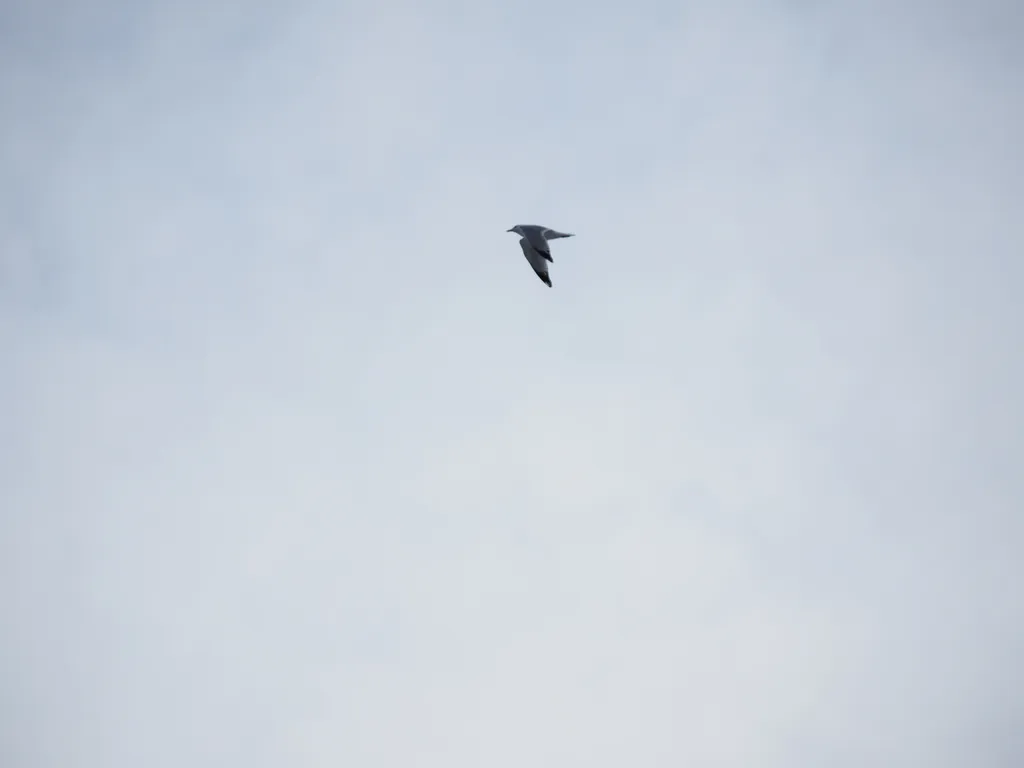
[536, 261]
[535, 236]
[553, 234]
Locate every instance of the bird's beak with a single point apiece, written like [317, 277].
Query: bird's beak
[510, 230]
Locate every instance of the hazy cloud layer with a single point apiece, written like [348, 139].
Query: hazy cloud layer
[301, 465]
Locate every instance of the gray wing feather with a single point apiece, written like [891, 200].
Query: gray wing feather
[535, 236]
[553, 234]
[536, 260]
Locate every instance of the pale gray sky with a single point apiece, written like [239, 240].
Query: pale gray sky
[301, 465]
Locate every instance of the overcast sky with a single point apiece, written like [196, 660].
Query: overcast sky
[301, 465]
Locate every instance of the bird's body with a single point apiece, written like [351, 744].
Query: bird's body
[534, 243]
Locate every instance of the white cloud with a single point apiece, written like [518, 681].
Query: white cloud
[291, 474]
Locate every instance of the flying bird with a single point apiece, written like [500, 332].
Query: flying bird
[534, 242]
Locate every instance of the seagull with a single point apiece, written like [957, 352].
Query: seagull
[534, 243]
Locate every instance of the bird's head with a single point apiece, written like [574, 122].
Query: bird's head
[517, 229]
